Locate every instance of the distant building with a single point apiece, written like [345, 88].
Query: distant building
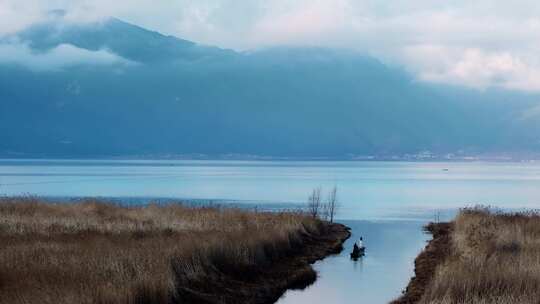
[424, 155]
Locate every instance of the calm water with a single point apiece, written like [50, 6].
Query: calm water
[386, 202]
[378, 277]
[367, 190]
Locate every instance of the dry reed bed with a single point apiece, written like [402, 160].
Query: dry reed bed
[94, 252]
[494, 258]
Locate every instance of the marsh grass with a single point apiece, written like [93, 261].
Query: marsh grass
[495, 258]
[95, 252]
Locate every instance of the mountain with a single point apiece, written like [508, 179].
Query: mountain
[129, 41]
[171, 96]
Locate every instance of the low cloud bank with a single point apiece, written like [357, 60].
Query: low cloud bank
[58, 58]
[479, 44]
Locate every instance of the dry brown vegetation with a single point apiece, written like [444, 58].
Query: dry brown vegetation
[94, 252]
[494, 258]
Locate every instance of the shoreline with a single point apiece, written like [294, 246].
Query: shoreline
[425, 264]
[107, 159]
[290, 273]
[163, 254]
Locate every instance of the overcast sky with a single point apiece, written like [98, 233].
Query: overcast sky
[477, 43]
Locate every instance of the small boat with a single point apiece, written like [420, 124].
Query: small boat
[358, 252]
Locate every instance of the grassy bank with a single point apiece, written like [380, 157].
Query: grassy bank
[488, 257]
[93, 252]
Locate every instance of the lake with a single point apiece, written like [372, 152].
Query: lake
[386, 202]
[366, 190]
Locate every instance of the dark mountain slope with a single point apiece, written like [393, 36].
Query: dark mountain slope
[182, 98]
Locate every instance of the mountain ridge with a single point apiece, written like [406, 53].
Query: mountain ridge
[124, 39]
[186, 99]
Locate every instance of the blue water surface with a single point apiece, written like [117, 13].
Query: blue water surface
[377, 277]
[366, 190]
[385, 202]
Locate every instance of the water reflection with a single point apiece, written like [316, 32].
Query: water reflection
[378, 277]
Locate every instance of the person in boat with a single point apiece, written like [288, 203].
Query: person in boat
[358, 248]
[359, 244]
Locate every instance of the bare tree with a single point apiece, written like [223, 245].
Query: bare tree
[324, 213]
[314, 203]
[332, 204]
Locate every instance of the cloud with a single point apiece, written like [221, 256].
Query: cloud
[474, 67]
[58, 58]
[483, 43]
[303, 24]
[15, 16]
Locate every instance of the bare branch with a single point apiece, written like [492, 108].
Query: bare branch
[332, 204]
[314, 203]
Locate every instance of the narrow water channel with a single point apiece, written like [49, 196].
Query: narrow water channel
[378, 277]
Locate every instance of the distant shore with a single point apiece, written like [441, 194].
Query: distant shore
[96, 252]
[163, 159]
[483, 256]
